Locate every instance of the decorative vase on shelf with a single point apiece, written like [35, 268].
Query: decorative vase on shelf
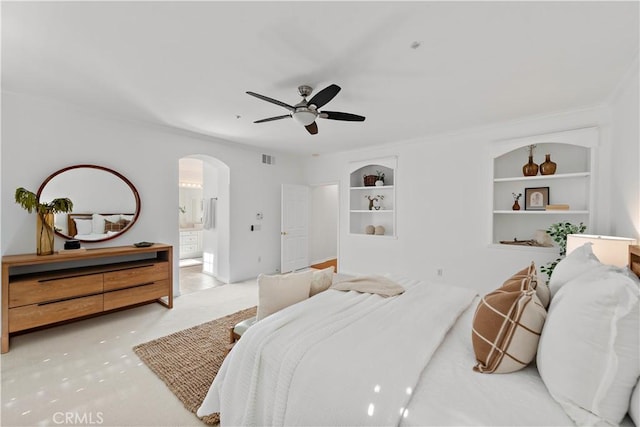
[379, 183]
[530, 169]
[44, 233]
[548, 167]
[516, 206]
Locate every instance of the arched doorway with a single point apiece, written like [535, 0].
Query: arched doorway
[204, 222]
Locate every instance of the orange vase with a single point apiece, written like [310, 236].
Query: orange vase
[516, 206]
[530, 169]
[548, 167]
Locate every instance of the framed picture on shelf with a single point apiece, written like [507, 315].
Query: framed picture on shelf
[536, 198]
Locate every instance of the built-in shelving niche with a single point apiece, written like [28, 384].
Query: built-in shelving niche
[573, 151]
[360, 216]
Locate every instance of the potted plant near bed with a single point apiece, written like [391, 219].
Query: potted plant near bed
[44, 216]
[558, 233]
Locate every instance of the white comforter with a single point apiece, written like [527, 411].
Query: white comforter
[293, 368]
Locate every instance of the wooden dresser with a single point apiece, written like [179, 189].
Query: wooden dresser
[43, 290]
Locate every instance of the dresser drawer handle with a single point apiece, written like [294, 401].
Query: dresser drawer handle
[40, 304]
[131, 287]
[55, 279]
[137, 267]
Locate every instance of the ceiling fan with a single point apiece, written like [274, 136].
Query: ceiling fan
[305, 112]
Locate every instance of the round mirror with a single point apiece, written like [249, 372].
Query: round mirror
[105, 203]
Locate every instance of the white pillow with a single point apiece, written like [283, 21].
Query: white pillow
[280, 291]
[98, 222]
[83, 226]
[588, 353]
[321, 280]
[580, 261]
[634, 406]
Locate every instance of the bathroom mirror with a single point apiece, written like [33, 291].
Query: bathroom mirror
[105, 203]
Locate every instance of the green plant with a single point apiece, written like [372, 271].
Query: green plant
[182, 209]
[558, 233]
[29, 201]
[45, 211]
[379, 176]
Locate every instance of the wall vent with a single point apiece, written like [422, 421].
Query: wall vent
[268, 160]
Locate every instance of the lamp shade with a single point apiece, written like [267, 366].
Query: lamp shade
[610, 250]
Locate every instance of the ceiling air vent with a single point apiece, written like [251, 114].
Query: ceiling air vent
[268, 160]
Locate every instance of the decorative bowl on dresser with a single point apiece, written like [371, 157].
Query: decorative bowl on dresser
[40, 291]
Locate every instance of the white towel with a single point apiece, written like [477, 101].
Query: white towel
[209, 214]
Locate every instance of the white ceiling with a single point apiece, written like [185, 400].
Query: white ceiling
[188, 64]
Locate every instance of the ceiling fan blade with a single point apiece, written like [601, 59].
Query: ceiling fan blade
[312, 128]
[286, 116]
[337, 115]
[271, 100]
[324, 96]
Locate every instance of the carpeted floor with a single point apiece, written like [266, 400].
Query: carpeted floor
[188, 361]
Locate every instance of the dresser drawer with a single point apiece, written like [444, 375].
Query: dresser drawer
[188, 249]
[38, 290]
[31, 316]
[137, 275]
[186, 240]
[125, 297]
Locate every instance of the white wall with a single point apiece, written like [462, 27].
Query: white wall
[41, 136]
[216, 241]
[323, 223]
[625, 176]
[444, 187]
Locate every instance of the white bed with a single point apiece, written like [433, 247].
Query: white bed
[440, 400]
[348, 358]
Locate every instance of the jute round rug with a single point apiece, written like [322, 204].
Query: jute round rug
[188, 361]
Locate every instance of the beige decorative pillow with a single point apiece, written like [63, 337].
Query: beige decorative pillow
[506, 329]
[527, 277]
[279, 291]
[321, 280]
[115, 226]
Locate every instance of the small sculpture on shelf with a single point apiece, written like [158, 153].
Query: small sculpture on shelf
[530, 169]
[369, 229]
[374, 201]
[516, 205]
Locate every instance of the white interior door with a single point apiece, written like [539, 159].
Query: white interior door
[294, 232]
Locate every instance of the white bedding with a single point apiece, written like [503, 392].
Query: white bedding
[335, 359]
[450, 393]
[359, 359]
[94, 236]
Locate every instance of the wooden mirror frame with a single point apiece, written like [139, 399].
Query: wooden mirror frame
[133, 189]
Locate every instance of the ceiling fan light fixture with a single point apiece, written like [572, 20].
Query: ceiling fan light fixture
[306, 112]
[304, 117]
